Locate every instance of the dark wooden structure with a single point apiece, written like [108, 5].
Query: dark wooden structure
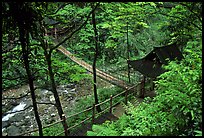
[151, 64]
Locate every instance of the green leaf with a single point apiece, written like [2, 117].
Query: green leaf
[192, 114]
[105, 25]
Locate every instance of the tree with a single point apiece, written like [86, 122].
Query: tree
[24, 17]
[177, 108]
[48, 49]
[94, 61]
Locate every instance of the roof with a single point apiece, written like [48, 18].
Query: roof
[151, 64]
[169, 51]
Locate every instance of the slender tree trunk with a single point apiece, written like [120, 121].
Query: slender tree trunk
[48, 57]
[94, 62]
[128, 55]
[54, 90]
[25, 50]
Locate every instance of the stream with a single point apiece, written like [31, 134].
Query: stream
[20, 122]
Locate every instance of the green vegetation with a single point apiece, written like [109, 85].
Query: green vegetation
[177, 108]
[82, 104]
[126, 30]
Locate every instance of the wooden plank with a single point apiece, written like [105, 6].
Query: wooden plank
[88, 67]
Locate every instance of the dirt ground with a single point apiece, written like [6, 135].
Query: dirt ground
[119, 110]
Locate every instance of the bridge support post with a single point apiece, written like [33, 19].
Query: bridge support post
[126, 95]
[93, 113]
[142, 90]
[111, 98]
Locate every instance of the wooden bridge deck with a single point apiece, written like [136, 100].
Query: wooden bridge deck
[99, 73]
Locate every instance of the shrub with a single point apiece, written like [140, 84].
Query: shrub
[176, 110]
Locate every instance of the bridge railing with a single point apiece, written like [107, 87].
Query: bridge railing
[127, 93]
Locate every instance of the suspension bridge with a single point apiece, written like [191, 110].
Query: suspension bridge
[100, 117]
[99, 73]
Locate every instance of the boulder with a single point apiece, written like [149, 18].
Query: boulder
[46, 92]
[4, 133]
[14, 103]
[73, 90]
[13, 130]
[5, 124]
[71, 85]
[19, 123]
[53, 115]
[17, 117]
[52, 98]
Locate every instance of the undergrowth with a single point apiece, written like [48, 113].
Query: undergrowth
[83, 103]
[175, 111]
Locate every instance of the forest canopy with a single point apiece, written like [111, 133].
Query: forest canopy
[106, 35]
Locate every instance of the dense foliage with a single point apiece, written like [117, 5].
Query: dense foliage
[125, 30]
[177, 108]
[82, 104]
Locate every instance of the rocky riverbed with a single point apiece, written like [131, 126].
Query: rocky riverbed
[19, 122]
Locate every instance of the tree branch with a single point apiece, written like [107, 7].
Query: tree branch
[200, 19]
[79, 28]
[9, 78]
[15, 98]
[181, 19]
[60, 7]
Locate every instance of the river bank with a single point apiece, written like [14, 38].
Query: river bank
[13, 124]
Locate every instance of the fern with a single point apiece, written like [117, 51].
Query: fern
[101, 131]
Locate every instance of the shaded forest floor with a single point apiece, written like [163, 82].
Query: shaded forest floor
[119, 110]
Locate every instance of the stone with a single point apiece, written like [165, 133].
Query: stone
[13, 130]
[73, 90]
[14, 103]
[5, 123]
[65, 91]
[4, 134]
[52, 115]
[19, 124]
[52, 99]
[24, 128]
[27, 117]
[31, 126]
[46, 92]
[70, 86]
[27, 102]
[17, 117]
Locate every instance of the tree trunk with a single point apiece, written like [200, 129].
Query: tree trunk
[94, 62]
[54, 90]
[128, 55]
[25, 50]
